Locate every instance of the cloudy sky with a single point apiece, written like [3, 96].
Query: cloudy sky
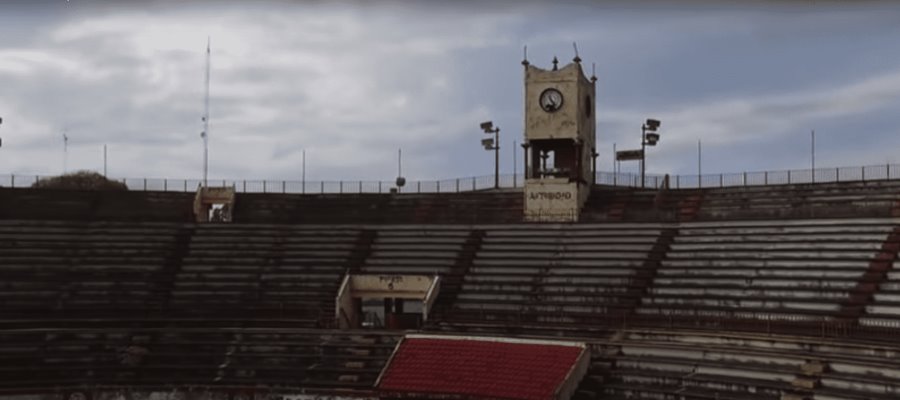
[352, 82]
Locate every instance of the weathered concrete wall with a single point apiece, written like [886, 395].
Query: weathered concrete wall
[552, 200]
[88, 205]
[571, 121]
[397, 286]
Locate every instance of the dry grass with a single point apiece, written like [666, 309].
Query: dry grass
[80, 180]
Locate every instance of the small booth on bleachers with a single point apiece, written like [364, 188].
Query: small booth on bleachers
[385, 301]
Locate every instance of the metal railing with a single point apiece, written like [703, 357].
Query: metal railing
[475, 183]
[824, 327]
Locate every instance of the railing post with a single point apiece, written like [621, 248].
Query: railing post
[837, 174]
[12, 180]
[677, 181]
[244, 184]
[322, 186]
[789, 177]
[341, 184]
[283, 187]
[765, 177]
[145, 184]
[165, 184]
[457, 185]
[223, 183]
[721, 180]
[473, 183]
[418, 186]
[379, 186]
[889, 171]
[185, 185]
[745, 178]
[864, 173]
[264, 185]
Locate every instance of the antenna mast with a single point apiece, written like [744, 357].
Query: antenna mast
[65, 152]
[205, 134]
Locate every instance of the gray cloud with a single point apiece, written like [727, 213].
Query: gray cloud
[351, 83]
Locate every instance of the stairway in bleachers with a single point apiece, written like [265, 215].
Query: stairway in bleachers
[882, 300]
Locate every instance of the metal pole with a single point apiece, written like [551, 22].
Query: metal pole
[813, 150]
[303, 173]
[643, 154]
[65, 153]
[104, 160]
[497, 158]
[699, 164]
[615, 170]
[514, 163]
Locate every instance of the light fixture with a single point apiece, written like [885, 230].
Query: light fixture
[493, 144]
[649, 137]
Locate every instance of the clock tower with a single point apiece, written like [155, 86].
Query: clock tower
[559, 140]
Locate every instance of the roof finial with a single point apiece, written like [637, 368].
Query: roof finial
[525, 56]
[555, 62]
[593, 72]
[576, 59]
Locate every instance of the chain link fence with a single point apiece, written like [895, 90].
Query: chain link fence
[476, 183]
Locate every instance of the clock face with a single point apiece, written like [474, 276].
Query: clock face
[551, 100]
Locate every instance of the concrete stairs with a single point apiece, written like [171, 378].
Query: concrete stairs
[645, 275]
[452, 283]
[352, 361]
[862, 295]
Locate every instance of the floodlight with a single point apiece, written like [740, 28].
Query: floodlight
[652, 138]
[652, 124]
[487, 143]
[487, 126]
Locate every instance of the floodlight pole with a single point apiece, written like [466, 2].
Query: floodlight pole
[497, 158]
[643, 153]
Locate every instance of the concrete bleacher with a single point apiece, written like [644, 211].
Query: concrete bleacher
[884, 309]
[823, 200]
[65, 268]
[555, 274]
[404, 208]
[173, 303]
[91, 205]
[875, 199]
[415, 250]
[264, 270]
[704, 365]
[137, 357]
[765, 270]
